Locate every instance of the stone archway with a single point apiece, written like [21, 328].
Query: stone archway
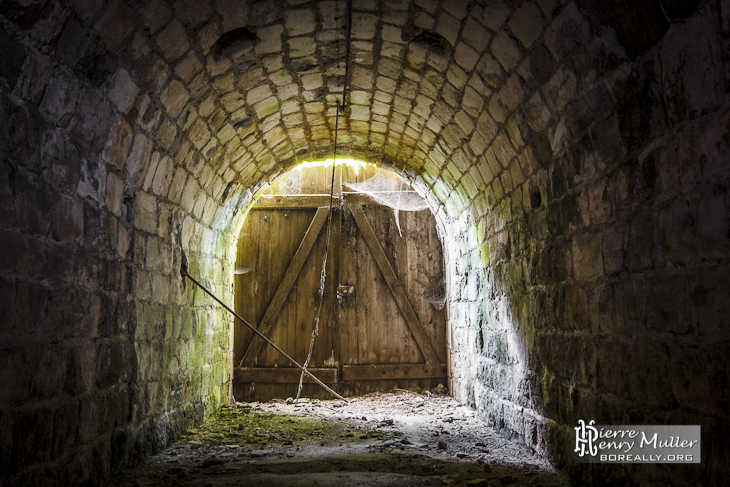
[574, 154]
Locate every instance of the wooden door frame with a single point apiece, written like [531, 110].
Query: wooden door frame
[432, 367]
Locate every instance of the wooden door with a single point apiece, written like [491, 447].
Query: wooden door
[393, 327]
[382, 324]
[278, 268]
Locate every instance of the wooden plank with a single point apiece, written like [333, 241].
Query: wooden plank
[300, 301]
[330, 351]
[366, 199]
[330, 311]
[395, 286]
[272, 311]
[306, 301]
[345, 308]
[247, 298]
[291, 202]
[337, 186]
[393, 371]
[283, 375]
[289, 236]
[275, 249]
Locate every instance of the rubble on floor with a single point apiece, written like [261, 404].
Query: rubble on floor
[402, 438]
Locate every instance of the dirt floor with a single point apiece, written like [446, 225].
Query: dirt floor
[401, 439]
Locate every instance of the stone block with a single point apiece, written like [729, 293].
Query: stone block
[613, 251]
[301, 47]
[576, 362]
[70, 314]
[312, 81]
[710, 307]
[475, 35]
[630, 309]
[116, 24]
[199, 135]
[588, 257]
[160, 289]
[90, 415]
[496, 111]
[465, 56]
[155, 14]
[526, 24]
[512, 93]
[34, 211]
[65, 423]
[299, 21]
[651, 373]
[12, 55]
[448, 27]
[137, 159]
[690, 70]
[69, 223]
[14, 257]
[540, 66]
[174, 97]
[266, 107]
[60, 97]
[392, 34]
[35, 78]
[115, 151]
[38, 425]
[110, 364]
[115, 194]
[601, 309]
[639, 243]
[614, 368]
[15, 380]
[231, 102]
[48, 368]
[713, 222]
[568, 29]
[364, 25]
[173, 41]
[493, 15]
[503, 149]
[506, 51]
[667, 305]
[193, 14]
[117, 407]
[691, 385]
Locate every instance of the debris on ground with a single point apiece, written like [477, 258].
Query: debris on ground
[378, 439]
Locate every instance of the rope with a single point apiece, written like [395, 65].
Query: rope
[184, 273]
[323, 275]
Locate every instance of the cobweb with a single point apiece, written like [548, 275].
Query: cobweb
[389, 189]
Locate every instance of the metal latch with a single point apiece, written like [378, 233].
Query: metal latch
[343, 291]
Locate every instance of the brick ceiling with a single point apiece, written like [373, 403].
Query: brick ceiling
[455, 92]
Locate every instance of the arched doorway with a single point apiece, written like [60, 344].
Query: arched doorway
[382, 322]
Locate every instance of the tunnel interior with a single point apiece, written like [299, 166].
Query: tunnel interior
[340, 265]
[574, 153]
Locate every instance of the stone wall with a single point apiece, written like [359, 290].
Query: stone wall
[574, 154]
[106, 355]
[603, 273]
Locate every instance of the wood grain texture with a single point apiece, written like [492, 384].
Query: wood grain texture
[274, 307]
[393, 371]
[395, 286]
[284, 375]
[291, 202]
[364, 337]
